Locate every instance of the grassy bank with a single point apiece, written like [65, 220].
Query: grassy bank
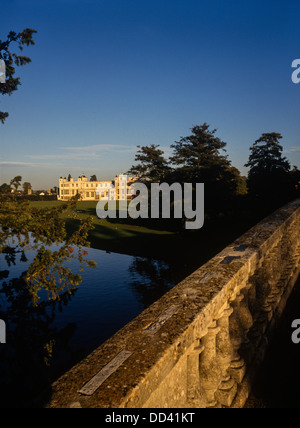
[121, 237]
[125, 236]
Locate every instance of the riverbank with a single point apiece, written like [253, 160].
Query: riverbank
[128, 237]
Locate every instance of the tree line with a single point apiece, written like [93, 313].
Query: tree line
[201, 158]
[14, 186]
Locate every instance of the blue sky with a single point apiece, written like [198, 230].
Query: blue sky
[107, 76]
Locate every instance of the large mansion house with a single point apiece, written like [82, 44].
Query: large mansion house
[95, 190]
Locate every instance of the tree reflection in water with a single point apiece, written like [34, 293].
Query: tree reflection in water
[26, 369]
[158, 278]
[29, 300]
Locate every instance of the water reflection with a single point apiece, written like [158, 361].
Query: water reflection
[157, 279]
[26, 359]
[44, 341]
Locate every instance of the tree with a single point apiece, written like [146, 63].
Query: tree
[199, 154]
[26, 188]
[266, 156]
[42, 288]
[200, 158]
[25, 228]
[269, 174]
[5, 188]
[152, 166]
[16, 182]
[93, 178]
[11, 60]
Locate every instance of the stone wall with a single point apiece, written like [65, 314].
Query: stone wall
[200, 345]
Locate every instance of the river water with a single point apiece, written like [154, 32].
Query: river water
[43, 342]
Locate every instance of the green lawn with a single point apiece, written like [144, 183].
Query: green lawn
[113, 235]
[105, 228]
[126, 236]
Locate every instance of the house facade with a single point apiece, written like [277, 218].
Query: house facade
[95, 190]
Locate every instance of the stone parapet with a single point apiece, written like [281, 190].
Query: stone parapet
[200, 345]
